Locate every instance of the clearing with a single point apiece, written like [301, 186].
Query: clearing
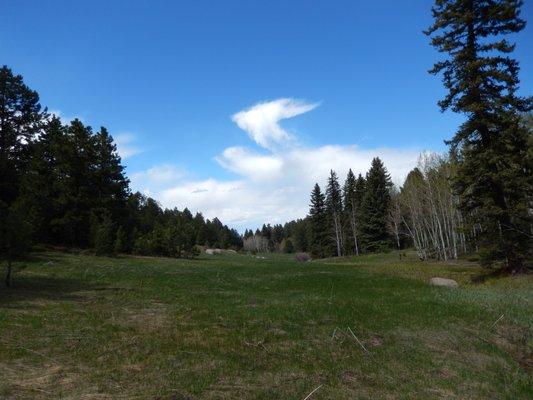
[238, 327]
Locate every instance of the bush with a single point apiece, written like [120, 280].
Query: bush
[287, 246]
[104, 241]
[303, 257]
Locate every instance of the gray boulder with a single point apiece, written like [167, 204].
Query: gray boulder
[450, 283]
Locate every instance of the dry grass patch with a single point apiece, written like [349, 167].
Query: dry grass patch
[36, 381]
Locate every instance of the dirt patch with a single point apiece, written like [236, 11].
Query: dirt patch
[153, 318]
[37, 381]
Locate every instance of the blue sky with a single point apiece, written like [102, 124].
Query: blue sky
[169, 77]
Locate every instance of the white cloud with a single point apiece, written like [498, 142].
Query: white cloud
[65, 119]
[261, 121]
[256, 167]
[278, 190]
[157, 178]
[272, 186]
[125, 145]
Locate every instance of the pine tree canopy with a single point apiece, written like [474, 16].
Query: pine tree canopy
[493, 175]
[319, 223]
[375, 208]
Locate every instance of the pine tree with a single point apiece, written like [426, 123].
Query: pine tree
[318, 224]
[334, 211]
[350, 208]
[110, 184]
[21, 118]
[121, 241]
[40, 184]
[360, 185]
[76, 186]
[494, 177]
[104, 240]
[375, 208]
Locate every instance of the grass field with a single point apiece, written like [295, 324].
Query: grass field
[238, 327]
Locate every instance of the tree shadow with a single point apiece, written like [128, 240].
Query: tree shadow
[40, 288]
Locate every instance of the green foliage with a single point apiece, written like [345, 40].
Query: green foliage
[121, 241]
[375, 208]
[493, 177]
[319, 243]
[15, 236]
[70, 185]
[352, 196]
[21, 119]
[334, 212]
[288, 247]
[104, 235]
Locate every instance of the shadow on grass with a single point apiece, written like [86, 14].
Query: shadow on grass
[25, 288]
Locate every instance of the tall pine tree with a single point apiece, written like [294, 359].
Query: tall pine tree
[494, 176]
[319, 224]
[351, 209]
[375, 208]
[40, 188]
[334, 211]
[110, 185]
[21, 119]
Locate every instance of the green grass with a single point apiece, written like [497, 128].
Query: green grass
[237, 327]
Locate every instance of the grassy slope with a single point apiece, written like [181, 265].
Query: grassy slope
[237, 327]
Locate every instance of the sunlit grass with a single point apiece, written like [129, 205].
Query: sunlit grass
[234, 326]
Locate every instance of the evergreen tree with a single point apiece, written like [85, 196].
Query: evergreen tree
[360, 187]
[75, 186]
[104, 239]
[334, 211]
[288, 247]
[302, 234]
[375, 208]
[277, 234]
[40, 186]
[121, 241]
[319, 245]
[350, 209]
[494, 176]
[21, 118]
[110, 184]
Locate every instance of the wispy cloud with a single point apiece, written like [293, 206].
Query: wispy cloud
[272, 185]
[157, 178]
[126, 145]
[261, 121]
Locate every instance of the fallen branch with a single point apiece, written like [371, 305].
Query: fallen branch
[495, 322]
[358, 341]
[310, 394]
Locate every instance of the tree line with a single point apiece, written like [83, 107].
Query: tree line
[64, 185]
[346, 220]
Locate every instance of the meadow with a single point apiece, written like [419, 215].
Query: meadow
[235, 326]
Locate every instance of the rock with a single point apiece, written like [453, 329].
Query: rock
[213, 251]
[302, 257]
[450, 283]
